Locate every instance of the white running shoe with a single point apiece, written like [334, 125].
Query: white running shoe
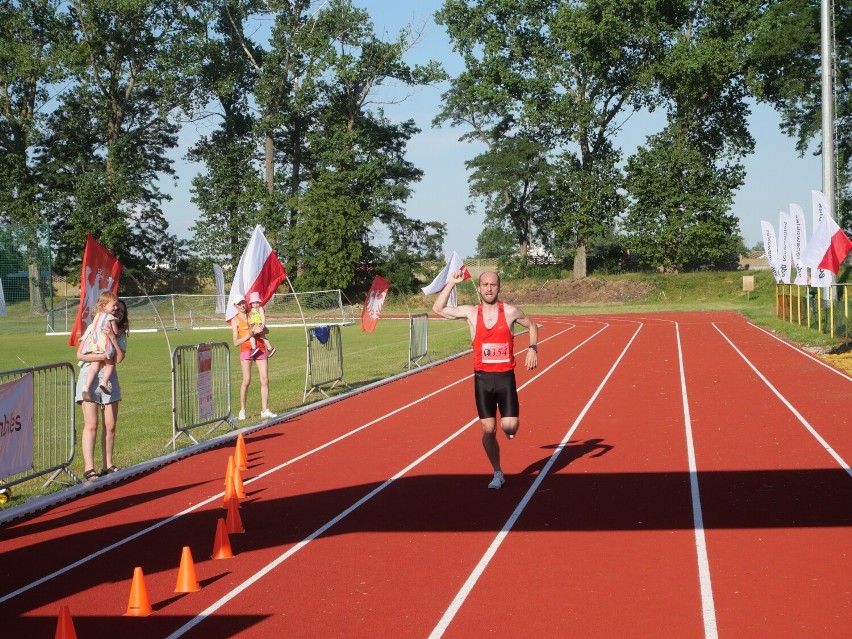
[498, 481]
[268, 414]
[242, 416]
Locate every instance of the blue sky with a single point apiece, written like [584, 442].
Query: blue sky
[776, 176]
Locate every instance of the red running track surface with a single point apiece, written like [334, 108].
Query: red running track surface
[675, 475]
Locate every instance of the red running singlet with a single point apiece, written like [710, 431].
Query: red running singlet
[493, 348]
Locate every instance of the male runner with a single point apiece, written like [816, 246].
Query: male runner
[493, 359]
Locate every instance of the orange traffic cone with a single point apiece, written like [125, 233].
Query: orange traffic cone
[186, 579]
[65, 624]
[240, 453]
[239, 489]
[222, 544]
[234, 522]
[230, 491]
[230, 470]
[138, 605]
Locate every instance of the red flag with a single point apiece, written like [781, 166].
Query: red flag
[100, 273]
[259, 271]
[828, 247]
[373, 304]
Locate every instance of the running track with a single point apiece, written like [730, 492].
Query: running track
[675, 475]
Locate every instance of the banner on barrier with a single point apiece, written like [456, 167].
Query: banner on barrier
[16, 428]
[205, 381]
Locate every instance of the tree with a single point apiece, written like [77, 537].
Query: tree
[230, 193]
[680, 214]
[111, 132]
[786, 72]
[495, 241]
[359, 177]
[512, 179]
[32, 57]
[563, 70]
[683, 182]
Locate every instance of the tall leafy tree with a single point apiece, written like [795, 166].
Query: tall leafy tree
[230, 192]
[683, 182]
[111, 133]
[786, 70]
[33, 61]
[359, 174]
[566, 70]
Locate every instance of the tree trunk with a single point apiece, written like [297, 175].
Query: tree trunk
[269, 161]
[37, 306]
[580, 263]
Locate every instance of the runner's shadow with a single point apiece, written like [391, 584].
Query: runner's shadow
[572, 451]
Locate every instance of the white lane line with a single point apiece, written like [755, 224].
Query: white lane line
[319, 531]
[468, 585]
[141, 533]
[708, 608]
[804, 353]
[790, 407]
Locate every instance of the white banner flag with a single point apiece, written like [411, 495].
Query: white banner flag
[769, 248]
[797, 219]
[819, 276]
[2, 300]
[16, 427]
[785, 249]
[221, 300]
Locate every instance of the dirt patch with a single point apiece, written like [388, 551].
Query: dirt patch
[586, 291]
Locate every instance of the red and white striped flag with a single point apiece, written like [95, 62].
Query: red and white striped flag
[100, 273]
[373, 304]
[828, 246]
[259, 271]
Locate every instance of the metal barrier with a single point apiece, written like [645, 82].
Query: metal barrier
[811, 307]
[54, 421]
[418, 338]
[325, 359]
[201, 388]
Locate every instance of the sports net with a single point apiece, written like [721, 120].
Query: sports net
[26, 277]
[197, 312]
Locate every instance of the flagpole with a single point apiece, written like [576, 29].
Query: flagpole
[156, 312]
[827, 107]
[304, 326]
[476, 290]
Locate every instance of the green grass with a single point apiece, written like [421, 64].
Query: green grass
[145, 417]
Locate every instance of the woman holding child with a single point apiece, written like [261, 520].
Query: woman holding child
[244, 331]
[101, 396]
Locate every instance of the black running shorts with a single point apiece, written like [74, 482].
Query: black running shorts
[493, 390]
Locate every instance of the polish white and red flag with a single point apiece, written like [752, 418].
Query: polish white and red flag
[100, 273]
[374, 303]
[828, 246]
[820, 277]
[454, 263]
[259, 271]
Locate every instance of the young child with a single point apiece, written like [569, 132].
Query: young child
[100, 338]
[257, 317]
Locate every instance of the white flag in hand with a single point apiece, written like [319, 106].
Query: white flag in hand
[454, 263]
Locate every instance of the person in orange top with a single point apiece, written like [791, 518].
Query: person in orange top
[242, 331]
[490, 325]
